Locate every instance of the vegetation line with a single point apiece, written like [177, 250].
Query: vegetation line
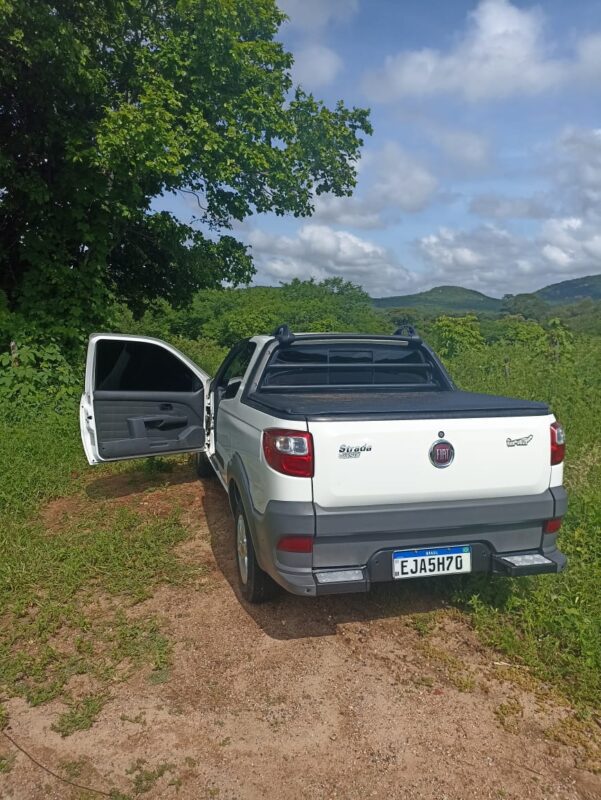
[54, 774]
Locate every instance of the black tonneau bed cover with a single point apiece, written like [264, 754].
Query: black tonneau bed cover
[373, 403]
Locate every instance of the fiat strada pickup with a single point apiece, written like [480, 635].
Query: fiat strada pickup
[347, 459]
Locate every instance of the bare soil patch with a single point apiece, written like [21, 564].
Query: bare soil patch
[343, 697]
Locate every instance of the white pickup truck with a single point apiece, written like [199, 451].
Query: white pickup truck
[348, 459]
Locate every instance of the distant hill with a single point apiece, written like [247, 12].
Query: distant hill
[446, 298]
[458, 299]
[572, 291]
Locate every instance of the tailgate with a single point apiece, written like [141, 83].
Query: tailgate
[380, 462]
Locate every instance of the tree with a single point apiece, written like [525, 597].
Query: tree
[528, 306]
[105, 104]
[516, 330]
[454, 335]
[225, 316]
[560, 340]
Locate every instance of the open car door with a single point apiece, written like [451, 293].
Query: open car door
[142, 398]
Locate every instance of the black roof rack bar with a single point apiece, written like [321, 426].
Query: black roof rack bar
[405, 333]
[371, 337]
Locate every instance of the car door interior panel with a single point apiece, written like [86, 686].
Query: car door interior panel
[127, 422]
[146, 400]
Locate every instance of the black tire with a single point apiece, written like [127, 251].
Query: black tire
[203, 467]
[255, 585]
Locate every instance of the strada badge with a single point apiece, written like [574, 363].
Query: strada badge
[353, 451]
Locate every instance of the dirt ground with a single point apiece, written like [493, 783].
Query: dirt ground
[384, 695]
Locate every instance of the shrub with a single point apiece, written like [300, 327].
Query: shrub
[34, 375]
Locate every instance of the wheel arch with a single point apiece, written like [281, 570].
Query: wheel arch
[238, 489]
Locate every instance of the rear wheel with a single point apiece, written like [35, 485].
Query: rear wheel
[255, 584]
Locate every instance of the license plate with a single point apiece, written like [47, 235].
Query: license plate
[431, 561]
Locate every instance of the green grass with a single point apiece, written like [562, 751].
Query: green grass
[81, 716]
[39, 460]
[143, 778]
[6, 763]
[551, 623]
[50, 585]
[65, 591]
[74, 769]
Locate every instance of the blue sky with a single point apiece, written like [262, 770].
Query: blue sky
[484, 169]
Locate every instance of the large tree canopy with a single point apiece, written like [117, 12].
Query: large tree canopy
[105, 104]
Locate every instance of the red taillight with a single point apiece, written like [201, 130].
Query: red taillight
[552, 525]
[558, 443]
[289, 452]
[296, 544]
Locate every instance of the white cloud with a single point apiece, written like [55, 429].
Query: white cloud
[314, 15]
[567, 243]
[588, 58]
[579, 170]
[464, 147]
[499, 206]
[391, 182]
[349, 212]
[574, 170]
[487, 259]
[558, 257]
[572, 245]
[490, 258]
[315, 65]
[318, 251]
[502, 53]
[495, 261]
[402, 181]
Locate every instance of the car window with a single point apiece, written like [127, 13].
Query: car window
[340, 365]
[237, 366]
[126, 366]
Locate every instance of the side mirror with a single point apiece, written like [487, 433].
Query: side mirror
[231, 390]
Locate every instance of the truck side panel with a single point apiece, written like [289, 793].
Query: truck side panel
[239, 429]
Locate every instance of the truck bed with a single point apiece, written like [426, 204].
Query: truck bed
[371, 402]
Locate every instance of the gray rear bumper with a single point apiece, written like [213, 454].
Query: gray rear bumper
[365, 538]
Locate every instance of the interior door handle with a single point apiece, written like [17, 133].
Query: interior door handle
[166, 407]
[139, 426]
[172, 422]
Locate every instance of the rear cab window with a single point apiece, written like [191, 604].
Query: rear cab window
[347, 366]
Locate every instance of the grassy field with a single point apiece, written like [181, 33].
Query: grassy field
[551, 624]
[74, 564]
